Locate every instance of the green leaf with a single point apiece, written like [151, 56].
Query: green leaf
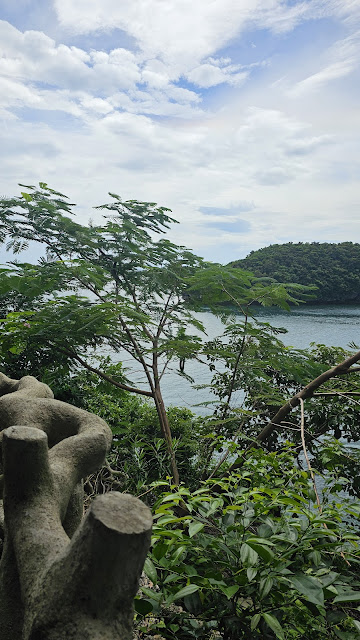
[150, 570]
[17, 349]
[193, 603]
[255, 621]
[265, 530]
[153, 595]
[345, 635]
[262, 541]
[175, 558]
[264, 552]
[159, 550]
[185, 591]
[274, 625]
[167, 520]
[350, 596]
[230, 591]
[330, 591]
[248, 556]
[172, 577]
[310, 587]
[265, 586]
[142, 606]
[251, 573]
[315, 557]
[356, 624]
[195, 527]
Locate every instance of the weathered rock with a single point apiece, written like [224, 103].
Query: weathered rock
[62, 575]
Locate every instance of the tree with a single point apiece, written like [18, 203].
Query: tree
[114, 286]
[111, 286]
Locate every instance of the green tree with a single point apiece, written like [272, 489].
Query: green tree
[119, 286]
[116, 286]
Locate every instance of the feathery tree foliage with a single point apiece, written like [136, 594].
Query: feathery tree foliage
[119, 286]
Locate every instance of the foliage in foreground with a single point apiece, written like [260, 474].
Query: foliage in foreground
[252, 557]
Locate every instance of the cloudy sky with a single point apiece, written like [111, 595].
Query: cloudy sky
[242, 116]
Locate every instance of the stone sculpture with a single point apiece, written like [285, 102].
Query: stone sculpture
[62, 575]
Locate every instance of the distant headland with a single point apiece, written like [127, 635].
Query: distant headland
[333, 268]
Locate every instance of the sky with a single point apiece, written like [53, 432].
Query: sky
[242, 116]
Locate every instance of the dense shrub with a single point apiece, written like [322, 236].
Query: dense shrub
[250, 556]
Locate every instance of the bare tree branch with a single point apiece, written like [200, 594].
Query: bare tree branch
[307, 392]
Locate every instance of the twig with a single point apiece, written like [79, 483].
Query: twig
[104, 376]
[302, 431]
[113, 472]
[337, 393]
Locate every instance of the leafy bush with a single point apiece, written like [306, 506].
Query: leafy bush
[250, 556]
[139, 454]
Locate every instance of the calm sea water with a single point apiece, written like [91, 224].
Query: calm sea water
[332, 326]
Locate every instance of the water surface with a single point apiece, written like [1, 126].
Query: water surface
[329, 325]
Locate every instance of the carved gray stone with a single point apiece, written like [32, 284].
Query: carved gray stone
[62, 575]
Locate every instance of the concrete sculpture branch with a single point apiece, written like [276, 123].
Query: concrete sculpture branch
[62, 575]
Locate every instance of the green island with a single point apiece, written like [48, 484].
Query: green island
[255, 506]
[334, 268]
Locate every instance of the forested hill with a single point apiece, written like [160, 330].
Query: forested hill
[333, 268]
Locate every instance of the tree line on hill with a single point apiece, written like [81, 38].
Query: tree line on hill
[334, 268]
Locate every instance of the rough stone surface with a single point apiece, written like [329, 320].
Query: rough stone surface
[61, 575]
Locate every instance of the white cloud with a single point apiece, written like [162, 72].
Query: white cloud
[253, 155]
[317, 80]
[34, 56]
[183, 36]
[301, 146]
[295, 159]
[180, 31]
[96, 104]
[343, 58]
[348, 10]
[183, 30]
[79, 81]
[209, 75]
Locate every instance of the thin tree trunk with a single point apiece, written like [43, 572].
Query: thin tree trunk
[165, 427]
[162, 414]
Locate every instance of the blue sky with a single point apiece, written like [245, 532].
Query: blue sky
[242, 116]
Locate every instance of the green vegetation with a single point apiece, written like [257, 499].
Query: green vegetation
[112, 285]
[253, 559]
[245, 545]
[333, 268]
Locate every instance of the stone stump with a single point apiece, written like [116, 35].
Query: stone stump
[62, 575]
